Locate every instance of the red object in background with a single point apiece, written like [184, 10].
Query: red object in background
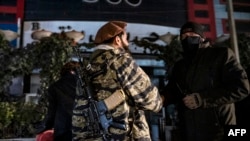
[207, 18]
[17, 10]
[45, 136]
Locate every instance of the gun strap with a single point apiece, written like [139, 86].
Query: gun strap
[115, 99]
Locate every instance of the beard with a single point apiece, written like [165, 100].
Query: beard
[126, 47]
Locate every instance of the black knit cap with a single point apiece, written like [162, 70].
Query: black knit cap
[192, 27]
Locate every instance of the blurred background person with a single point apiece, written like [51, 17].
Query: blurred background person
[61, 95]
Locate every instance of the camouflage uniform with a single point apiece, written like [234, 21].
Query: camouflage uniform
[122, 72]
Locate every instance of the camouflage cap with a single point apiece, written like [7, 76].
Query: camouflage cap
[192, 27]
[109, 30]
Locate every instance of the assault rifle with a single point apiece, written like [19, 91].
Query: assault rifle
[97, 120]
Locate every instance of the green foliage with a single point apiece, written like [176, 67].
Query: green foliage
[14, 62]
[7, 111]
[49, 55]
[17, 122]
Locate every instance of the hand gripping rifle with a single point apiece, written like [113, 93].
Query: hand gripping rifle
[97, 120]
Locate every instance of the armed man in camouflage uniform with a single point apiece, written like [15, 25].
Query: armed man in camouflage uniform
[119, 73]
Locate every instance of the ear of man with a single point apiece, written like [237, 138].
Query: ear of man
[117, 42]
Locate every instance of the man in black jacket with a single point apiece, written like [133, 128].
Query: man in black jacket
[204, 85]
[61, 95]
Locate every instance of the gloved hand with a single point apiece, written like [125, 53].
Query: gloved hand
[192, 101]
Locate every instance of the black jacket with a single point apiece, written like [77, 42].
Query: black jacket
[215, 74]
[61, 96]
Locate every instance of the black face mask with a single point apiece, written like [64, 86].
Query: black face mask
[190, 45]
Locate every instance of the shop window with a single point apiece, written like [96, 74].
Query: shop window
[8, 2]
[201, 13]
[200, 1]
[7, 18]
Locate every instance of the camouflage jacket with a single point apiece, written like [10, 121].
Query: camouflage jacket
[120, 71]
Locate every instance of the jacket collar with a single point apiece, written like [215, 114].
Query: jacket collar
[104, 47]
